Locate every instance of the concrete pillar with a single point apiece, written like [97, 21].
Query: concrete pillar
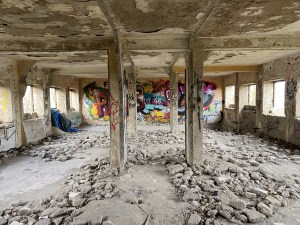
[259, 99]
[17, 104]
[173, 101]
[237, 100]
[132, 100]
[117, 101]
[194, 106]
[290, 99]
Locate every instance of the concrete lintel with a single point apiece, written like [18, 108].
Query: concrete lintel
[222, 68]
[53, 45]
[171, 45]
[251, 42]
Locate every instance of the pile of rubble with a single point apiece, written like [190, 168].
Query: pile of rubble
[63, 148]
[94, 181]
[4, 156]
[233, 185]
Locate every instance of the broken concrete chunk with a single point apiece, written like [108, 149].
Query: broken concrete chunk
[173, 169]
[237, 204]
[194, 219]
[264, 209]
[260, 192]
[254, 216]
[3, 221]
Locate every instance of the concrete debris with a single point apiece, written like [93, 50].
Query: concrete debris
[232, 185]
[93, 182]
[63, 148]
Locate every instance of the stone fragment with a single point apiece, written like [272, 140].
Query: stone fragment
[260, 192]
[221, 179]
[254, 216]
[237, 204]
[16, 223]
[273, 201]
[173, 169]
[107, 222]
[264, 209]
[3, 221]
[194, 219]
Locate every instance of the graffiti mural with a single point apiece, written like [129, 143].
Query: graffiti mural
[211, 107]
[96, 99]
[153, 102]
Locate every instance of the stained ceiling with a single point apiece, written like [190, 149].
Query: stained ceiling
[155, 33]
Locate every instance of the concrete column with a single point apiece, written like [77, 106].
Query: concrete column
[194, 106]
[290, 99]
[237, 101]
[132, 100]
[117, 101]
[17, 104]
[173, 101]
[259, 99]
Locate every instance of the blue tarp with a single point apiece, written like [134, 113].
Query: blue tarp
[61, 122]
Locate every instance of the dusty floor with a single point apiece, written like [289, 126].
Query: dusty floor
[145, 190]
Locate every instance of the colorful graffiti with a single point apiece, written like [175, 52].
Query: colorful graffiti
[96, 99]
[211, 107]
[153, 102]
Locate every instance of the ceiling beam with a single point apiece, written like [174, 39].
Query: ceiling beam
[151, 44]
[222, 68]
[53, 45]
[251, 42]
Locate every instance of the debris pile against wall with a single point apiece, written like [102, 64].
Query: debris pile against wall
[241, 181]
[63, 148]
[4, 156]
[234, 184]
[94, 181]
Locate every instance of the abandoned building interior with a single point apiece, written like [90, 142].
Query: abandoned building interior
[149, 112]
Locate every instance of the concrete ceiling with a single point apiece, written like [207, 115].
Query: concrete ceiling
[155, 33]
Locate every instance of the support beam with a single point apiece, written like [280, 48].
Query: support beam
[117, 100]
[259, 100]
[290, 99]
[53, 45]
[132, 100]
[251, 42]
[173, 102]
[222, 68]
[156, 44]
[194, 106]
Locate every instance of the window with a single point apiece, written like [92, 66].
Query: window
[252, 94]
[274, 98]
[279, 95]
[28, 105]
[229, 96]
[58, 99]
[74, 99]
[53, 98]
[33, 100]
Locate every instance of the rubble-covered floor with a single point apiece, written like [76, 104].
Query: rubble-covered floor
[68, 180]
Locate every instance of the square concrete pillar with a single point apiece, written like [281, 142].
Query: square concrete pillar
[117, 102]
[194, 106]
[259, 99]
[290, 98]
[132, 100]
[173, 101]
